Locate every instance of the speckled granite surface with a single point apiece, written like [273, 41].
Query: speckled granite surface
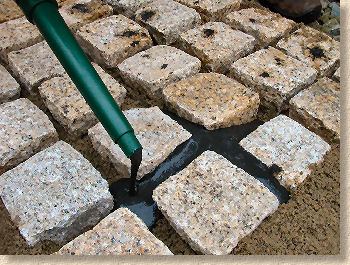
[9, 10]
[289, 145]
[120, 233]
[336, 75]
[213, 204]
[212, 100]
[318, 109]
[24, 130]
[111, 40]
[10, 89]
[167, 19]
[158, 134]
[68, 106]
[217, 45]
[55, 194]
[128, 7]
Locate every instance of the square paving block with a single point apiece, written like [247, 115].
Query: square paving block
[68, 106]
[55, 194]
[34, 65]
[111, 40]
[212, 100]
[276, 76]
[9, 88]
[24, 130]
[217, 45]
[267, 27]
[213, 204]
[9, 10]
[336, 75]
[151, 70]
[287, 144]
[318, 109]
[120, 233]
[158, 134]
[314, 48]
[167, 19]
[128, 7]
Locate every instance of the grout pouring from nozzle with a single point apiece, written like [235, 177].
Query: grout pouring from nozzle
[135, 159]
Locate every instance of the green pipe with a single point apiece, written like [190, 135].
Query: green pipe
[44, 14]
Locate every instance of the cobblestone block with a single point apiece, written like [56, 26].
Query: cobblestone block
[276, 76]
[111, 40]
[68, 106]
[336, 75]
[216, 45]
[167, 19]
[10, 89]
[213, 204]
[158, 134]
[287, 144]
[24, 130]
[9, 10]
[267, 27]
[120, 233]
[212, 100]
[55, 194]
[314, 48]
[128, 7]
[151, 70]
[318, 109]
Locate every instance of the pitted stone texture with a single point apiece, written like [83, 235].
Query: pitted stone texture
[24, 130]
[212, 100]
[9, 10]
[158, 134]
[55, 194]
[287, 144]
[265, 26]
[312, 47]
[111, 40]
[336, 75]
[35, 64]
[213, 204]
[120, 233]
[151, 70]
[318, 109]
[68, 106]
[128, 7]
[213, 10]
[9, 88]
[167, 19]
[276, 76]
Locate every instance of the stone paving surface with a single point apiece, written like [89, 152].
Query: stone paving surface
[120, 233]
[217, 45]
[111, 40]
[336, 75]
[55, 194]
[24, 130]
[128, 7]
[158, 134]
[68, 106]
[287, 144]
[212, 100]
[318, 109]
[212, 204]
[10, 89]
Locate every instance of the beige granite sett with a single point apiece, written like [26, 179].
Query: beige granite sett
[120, 233]
[128, 7]
[158, 134]
[212, 100]
[111, 40]
[276, 76]
[267, 27]
[24, 130]
[55, 195]
[68, 106]
[314, 48]
[318, 109]
[9, 10]
[151, 70]
[212, 204]
[9, 88]
[217, 45]
[287, 144]
[167, 19]
[336, 75]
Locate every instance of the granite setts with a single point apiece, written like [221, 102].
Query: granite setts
[158, 134]
[287, 144]
[213, 204]
[120, 233]
[10, 89]
[336, 75]
[128, 7]
[55, 194]
[24, 130]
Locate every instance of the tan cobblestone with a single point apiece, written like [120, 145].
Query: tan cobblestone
[10, 89]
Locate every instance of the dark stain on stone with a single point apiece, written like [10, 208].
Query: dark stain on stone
[196, 2]
[146, 15]
[264, 74]
[145, 56]
[80, 7]
[316, 52]
[164, 66]
[252, 20]
[208, 32]
[129, 33]
[278, 60]
[134, 43]
[143, 34]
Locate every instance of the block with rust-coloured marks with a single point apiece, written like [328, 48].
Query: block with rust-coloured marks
[10, 89]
